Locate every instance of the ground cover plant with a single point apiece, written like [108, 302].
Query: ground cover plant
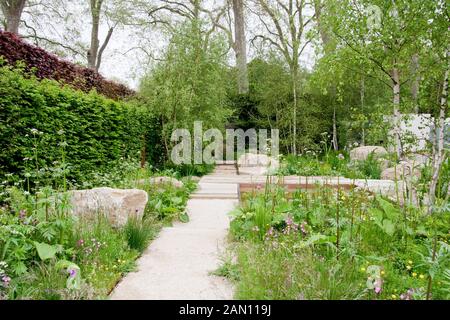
[48, 254]
[337, 244]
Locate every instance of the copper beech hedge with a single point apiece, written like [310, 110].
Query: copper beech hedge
[48, 66]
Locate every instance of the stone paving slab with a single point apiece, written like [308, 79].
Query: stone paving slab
[177, 265]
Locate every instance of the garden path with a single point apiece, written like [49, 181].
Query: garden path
[177, 265]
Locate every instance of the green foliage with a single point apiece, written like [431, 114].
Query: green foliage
[328, 245]
[331, 164]
[139, 233]
[48, 131]
[189, 85]
[47, 254]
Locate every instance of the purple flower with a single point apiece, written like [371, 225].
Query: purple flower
[22, 214]
[409, 295]
[303, 228]
[378, 286]
[80, 242]
[72, 273]
[6, 280]
[289, 221]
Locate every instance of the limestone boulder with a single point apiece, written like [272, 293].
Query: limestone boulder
[404, 170]
[162, 181]
[117, 205]
[418, 159]
[257, 164]
[384, 163]
[362, 153]
[167, 181]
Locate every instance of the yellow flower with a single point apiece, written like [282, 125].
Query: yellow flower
[414, 274]
[422, 276]
[383, 273]
[410, 262]
[394, 296]
[363, 269]
[408, 267]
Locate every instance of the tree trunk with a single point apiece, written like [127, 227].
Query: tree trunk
[240, 46]
[294, 120]
[363, 96]
[12, 11]
[438, 149]
[102, 49]
[416, 82]
[396, 91]
[335, 138]
[96, 6]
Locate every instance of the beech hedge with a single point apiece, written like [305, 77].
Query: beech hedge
[48, 66]
[44, 124]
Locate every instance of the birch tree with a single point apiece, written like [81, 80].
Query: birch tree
[285, 25]
[439, 42]
[386, 34]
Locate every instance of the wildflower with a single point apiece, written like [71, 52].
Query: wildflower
[408, 267]
[383, 273]
[341, 156]
[270, 232]
[34, 131]
[363, 269]
[414, 274]
[289, 221]
[378, 286]
[422, 276]
[410, 262]
[303, 228]
[409, 295]
[394, 296]
[72, 273]
[80, 242]
[22, 214]
[6, 280]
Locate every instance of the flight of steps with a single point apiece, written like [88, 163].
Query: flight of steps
[212, 186]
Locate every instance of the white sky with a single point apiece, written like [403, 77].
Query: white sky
[122, 60]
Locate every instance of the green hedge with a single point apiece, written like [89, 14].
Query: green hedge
[91, 131]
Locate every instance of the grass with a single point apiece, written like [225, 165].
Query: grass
[101, 253]
[332, 244]
[139, 233]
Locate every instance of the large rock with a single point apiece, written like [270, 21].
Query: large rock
[116, 204]
[196, 179]
[163, 181]
[418, 159]
[404, 170]
[362, 153]
[257, 164]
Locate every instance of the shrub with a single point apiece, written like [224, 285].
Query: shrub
[44, 125]
[48, 66]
